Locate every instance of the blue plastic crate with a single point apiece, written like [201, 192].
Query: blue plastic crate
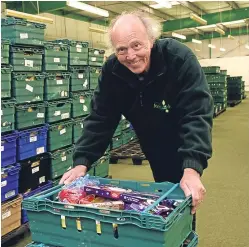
[9, 182]
[31, 142]
[8, 149]
[49, 185]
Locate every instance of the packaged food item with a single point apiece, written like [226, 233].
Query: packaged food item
[116, 205]
[73, 195]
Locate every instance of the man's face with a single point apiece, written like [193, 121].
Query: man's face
[132, 44]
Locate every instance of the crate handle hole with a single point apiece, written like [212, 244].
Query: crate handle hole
[78, 225]
[115, 230]
[98, 228]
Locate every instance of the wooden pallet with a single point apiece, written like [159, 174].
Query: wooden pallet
[233, 103]
[131, 150]
[219, 112]
[14, 237]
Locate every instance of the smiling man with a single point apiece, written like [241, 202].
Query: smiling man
[159, 86]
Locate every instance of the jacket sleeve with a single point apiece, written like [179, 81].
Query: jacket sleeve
[99, 125]
[194, 105]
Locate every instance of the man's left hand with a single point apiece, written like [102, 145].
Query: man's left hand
[191, 185]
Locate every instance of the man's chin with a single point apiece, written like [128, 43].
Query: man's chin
[137, 70]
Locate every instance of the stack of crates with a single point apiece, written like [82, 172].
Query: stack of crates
[217, 81]
[123, 134]
[235, 88]
[58, 108]
[11, 202]
[74, 108]
[24, 134]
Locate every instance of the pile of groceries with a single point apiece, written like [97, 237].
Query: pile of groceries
[89, 192]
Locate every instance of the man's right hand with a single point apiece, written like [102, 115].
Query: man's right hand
[71, 175]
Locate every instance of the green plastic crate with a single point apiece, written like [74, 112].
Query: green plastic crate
[61, 161]
[79, 78]
[223, 72]
[102, 167]
[125, 124]
[217, 78]
[78, 128]
[57, 86]
[56, 223]
[5, 51]
[118, 130]
[28, 87]
[220, 93]
[220, 99]
[81, 103]
[127, 136]
[211, 69]
[60, 135]
[6, 81]
[55, 57]
[58, 110]
[117, 142]
[234, 79]
[94, 76]
[7, 115]
[22, 32]
[78, 51]
[217, 85]
[96, 57]
[26, 58]
[30, 115]
[191, 241]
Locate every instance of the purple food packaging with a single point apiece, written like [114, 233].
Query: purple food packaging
[130, 198]
[104, 191]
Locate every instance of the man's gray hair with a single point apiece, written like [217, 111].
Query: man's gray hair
[152, 26]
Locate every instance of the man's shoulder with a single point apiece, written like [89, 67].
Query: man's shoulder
[172, 48]
[110, 62]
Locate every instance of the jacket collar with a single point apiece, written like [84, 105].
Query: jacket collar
[157, 67]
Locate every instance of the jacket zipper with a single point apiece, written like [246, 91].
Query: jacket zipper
[141, 98]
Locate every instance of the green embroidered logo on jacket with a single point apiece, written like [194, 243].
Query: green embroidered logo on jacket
[163, 106]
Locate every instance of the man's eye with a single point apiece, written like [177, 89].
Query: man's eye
[137, 45]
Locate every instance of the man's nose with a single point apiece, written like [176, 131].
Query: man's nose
[131, 54]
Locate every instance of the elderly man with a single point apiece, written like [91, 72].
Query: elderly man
[159, 86]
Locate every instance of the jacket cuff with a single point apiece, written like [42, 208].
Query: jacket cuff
[193, 164]
[82, 161]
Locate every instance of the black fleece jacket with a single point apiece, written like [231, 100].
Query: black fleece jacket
[170, 108]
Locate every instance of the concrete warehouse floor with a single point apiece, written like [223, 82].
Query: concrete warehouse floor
[223, 219]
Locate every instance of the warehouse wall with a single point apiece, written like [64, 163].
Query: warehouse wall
[233, 47]
[235, 66]
[77, 30]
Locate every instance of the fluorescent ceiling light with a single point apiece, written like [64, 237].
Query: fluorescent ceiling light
[196, 41]
[222, 49]
[86, 7]
[211, 46]
[179, 36]
[233, 22]
[207, 26]
[161, 4]
[37, 18]
[198, 19]
[230, 36]
[219, 30]
[247, 46]
[97, 30]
